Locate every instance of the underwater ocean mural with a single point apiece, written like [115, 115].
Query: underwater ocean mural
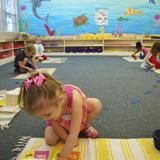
[62, 17]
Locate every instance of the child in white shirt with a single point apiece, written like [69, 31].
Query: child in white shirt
[39, 50]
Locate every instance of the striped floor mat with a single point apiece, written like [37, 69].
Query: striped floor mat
[7, 113]
[90, 149]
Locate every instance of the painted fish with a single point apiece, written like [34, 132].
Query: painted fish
[121, 19]
[132, 11]
[80, 20]
[152, 1]
[36, 4]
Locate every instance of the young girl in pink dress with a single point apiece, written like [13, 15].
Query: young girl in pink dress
[65, 108]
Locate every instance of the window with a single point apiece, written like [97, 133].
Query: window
[0, 17]
[9, 15]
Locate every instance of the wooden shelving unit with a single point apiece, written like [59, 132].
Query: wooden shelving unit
[18, 46]
[53, 45]
[79, 45]
[120, 45]
[70, 45]
[6, 51]
[147, 42]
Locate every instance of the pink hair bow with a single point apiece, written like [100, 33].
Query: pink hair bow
[37, 80]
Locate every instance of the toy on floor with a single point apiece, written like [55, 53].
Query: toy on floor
[41, 155]
[134, 57]
[38, 155]
[73, 156]
[12, 97]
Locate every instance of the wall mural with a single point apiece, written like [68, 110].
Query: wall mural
[62, 17]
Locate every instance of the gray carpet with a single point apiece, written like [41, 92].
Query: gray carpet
[130, 98]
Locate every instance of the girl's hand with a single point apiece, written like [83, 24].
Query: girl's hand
[60, 158]
[30, 70]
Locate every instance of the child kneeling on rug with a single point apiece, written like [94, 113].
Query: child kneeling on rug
[22, 60]
[151, 60]
[65, 108]
[141, 50]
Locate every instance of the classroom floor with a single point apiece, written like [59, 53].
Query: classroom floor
[130, 98]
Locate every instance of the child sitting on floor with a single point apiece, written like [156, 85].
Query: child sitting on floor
[21, 62]
[141, 50]
[151, 60]
[40, 50]
[65, 108]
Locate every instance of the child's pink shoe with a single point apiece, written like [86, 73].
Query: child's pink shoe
[91, 132]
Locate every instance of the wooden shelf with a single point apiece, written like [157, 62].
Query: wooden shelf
[73, 46]
[5, 50]
[19, 47]
[85, 45]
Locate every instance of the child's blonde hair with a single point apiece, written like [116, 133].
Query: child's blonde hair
[32, 98]
[30, 49]
[155, 48]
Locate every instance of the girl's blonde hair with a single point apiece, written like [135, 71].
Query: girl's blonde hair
[30, 99]
[155, 48]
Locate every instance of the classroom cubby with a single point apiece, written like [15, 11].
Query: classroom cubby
[147, 42]
[6, 51]
[53, 45]
[120, 45]
[18, 46]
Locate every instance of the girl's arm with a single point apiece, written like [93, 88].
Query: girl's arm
[74, 127]
[34, 62]
[23, 63]
[61, 132]
[147, 61]
[135, 52]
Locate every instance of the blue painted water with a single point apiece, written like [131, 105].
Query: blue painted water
[62, 12]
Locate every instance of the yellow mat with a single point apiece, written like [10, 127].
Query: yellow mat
[94, 149]
[130, 59]
[26, 75]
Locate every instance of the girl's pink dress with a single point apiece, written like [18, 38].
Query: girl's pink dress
[65, 119]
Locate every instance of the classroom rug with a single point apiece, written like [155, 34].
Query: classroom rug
[7, 113]
[55, 60]
[157, 71]
[130, 59]
[29, 148]
[26, 75]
